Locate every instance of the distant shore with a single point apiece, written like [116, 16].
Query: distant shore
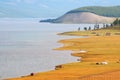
[101, 61]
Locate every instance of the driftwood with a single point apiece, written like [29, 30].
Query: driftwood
[31, 74]
[101, 63]
[118, 61]
[108, 34]
[117, 33]
[58, 67]
[97, 34]
[93, 32]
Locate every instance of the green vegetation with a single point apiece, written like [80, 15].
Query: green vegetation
[100, 32]
[114, 26]
[106, 30]
[103, 11]
[116, 22]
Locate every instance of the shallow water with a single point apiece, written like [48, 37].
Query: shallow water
[27, 46]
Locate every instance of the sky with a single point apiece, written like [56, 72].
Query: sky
[49, 8]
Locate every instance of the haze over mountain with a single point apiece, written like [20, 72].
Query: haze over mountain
[46, 8]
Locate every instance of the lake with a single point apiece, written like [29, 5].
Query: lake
[26, 46]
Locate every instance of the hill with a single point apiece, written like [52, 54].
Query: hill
[113, 11]
[91, 14]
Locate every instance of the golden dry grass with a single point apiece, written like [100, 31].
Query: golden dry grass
[104, 76]
[99, 32]
[99, 48]
[102, 48]
[73, 71]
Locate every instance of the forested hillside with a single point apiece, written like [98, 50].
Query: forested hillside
[113, 11]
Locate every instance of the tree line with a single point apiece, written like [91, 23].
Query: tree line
[105, 26]
[116, 22]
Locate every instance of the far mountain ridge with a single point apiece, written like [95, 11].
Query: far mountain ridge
[107, 11]
[91, 14]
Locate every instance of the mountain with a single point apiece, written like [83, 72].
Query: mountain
[112, 11]
[90, 14]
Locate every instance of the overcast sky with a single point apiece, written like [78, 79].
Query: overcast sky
[56, 8]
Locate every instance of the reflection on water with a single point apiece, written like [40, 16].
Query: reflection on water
[26, 46]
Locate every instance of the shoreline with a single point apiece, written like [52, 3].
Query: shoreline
[71, 70]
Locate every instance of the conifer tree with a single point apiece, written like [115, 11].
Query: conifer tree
[116, 22]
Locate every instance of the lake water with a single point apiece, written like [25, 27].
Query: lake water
[27, 46]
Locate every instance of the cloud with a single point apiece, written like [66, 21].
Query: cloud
[74, 0]
[30, 1]
[25, 1]
[18, 1]
[44, 6]
[11, 3]
[1, 13]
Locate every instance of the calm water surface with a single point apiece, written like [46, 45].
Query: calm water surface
[26, 46]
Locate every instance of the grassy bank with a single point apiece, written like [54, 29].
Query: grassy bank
[100, 48]
[91, 33]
